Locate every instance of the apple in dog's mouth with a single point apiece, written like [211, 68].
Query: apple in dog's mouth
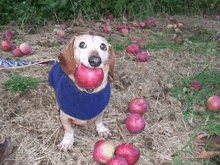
[88, 78]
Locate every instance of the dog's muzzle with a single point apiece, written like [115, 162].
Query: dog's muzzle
[95, 61]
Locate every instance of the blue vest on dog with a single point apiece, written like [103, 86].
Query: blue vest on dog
[72, 101]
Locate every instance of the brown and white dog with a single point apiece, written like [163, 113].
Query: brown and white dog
[94, 52]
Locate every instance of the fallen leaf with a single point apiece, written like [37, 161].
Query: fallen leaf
[207, 154]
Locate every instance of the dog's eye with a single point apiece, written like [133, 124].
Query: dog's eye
[82, 45]
[103, 47]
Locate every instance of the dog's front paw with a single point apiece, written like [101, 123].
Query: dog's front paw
[67, 142]
[102, 130]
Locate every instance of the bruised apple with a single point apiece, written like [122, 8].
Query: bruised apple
[25, 48]
[106, 28]
[128, 151]
[118, 160]
[8, 35]
[6, 46]
[89, 78]
[143, 56]
[133, 48]
[138, 105]
[17, 52]
[135, 123]
[103, 151]
[213, 103]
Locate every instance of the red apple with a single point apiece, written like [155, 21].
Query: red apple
[117, 160]
[135, 24]
[6, 46]
[135, 123]
[124, 31]
[133, 48]
[213, 103]
[196, 85]
[61, 33]
[8, 35]
[89, 78]
[143, 24]
[119, 27]
[143, 56]
[138, 105]
[151, 23]
[106, 28]
[103, 151]
[129, 152]
[17, 52]
[25, 48]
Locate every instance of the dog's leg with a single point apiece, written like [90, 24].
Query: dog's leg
[68, 139]
[101, 128]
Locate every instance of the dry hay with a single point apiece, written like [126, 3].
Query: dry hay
[32, 119]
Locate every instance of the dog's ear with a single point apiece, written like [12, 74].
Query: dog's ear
[112, 62]
[66, 57]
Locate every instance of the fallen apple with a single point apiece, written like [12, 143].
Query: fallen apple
[17, 52]
[107, 28]
[103, 151]
[143, 56]
[138, 105]
[129, 152]
[213, 103]
[151, 23]
[117, 160]
[25, 48]
[196, 85]
[133, 48]
[6, 46]
[119, 27]
[8, 35]
[61, 33]
[135, 24]
[143, 24]
[88, 78]
[135, 123]
[124, 31]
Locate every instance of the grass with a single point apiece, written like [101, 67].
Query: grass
[202, 43]
[205, 121]
[18, 83]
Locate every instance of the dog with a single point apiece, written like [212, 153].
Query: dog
[80, 106]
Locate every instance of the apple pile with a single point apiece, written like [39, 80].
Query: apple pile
[134, 122]
[124, 154]
[88, 78]
[141, 55]
[19, 51]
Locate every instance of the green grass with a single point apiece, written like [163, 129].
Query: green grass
[202, 43]
[18, 83]
[121, 45]
[203, 121]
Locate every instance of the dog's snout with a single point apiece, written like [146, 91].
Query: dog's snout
[95, 61]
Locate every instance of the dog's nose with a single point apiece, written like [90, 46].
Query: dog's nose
[95, 61]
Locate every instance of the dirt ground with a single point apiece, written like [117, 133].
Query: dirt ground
[32, 121]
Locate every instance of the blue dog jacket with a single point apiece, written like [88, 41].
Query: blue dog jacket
[72, 101]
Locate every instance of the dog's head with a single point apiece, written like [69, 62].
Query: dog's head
[91, 50]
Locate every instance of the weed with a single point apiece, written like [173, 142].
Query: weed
[18, 83]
